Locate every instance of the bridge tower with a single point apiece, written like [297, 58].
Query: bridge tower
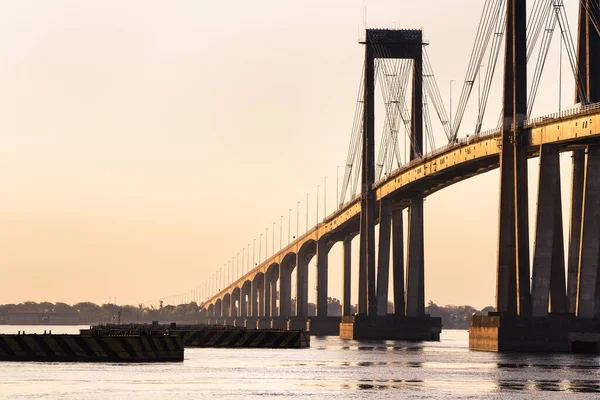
[409, 320]
[583, 286]
[380, 43]
[512, 293]
[554, 316]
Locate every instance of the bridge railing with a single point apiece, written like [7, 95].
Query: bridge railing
[565, 114]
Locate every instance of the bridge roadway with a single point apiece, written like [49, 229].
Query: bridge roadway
[463, 159]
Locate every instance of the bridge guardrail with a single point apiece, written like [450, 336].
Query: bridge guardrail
[580, 111]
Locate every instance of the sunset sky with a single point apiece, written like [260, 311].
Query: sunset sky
[143, 144]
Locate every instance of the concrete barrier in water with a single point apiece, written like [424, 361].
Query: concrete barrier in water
[93, 347]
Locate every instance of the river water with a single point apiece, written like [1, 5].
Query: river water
[330, 368]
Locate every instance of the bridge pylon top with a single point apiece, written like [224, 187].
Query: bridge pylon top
[394, 43]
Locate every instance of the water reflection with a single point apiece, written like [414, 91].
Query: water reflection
[577, 386]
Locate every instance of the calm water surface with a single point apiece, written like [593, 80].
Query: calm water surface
[330, 368]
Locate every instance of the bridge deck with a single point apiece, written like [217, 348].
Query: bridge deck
[457, 161]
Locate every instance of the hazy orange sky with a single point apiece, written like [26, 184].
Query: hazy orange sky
[144, 143]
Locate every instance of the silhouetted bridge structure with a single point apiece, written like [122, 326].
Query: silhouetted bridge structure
[540, 307]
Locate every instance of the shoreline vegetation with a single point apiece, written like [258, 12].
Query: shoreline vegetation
[87, 313]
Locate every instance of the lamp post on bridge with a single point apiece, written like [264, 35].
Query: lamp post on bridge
[297, 219]
[450, 119]
[266, 243]
[306, 212]
[273, 245]
[289, 226]
[259, 248]
[325, 198]
[337, 187]
[253, 253]
[479, 90]
[248, 261]
[280, 232]
[318, 186]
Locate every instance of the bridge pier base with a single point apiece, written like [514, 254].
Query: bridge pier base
[263, 323]
[324, 326]
[556, 333]
[279, 323]
[250, 322]
[297, 323]
[391, 327]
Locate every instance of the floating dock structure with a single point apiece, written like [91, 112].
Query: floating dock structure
[557, 333]
[93, 345]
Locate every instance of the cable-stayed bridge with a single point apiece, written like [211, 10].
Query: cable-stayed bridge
[555, 295]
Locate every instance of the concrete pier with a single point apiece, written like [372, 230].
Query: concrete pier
[556, 333]
[324, 326]
[391, 327]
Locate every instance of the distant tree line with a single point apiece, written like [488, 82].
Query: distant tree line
[90, 313]
[453, 317]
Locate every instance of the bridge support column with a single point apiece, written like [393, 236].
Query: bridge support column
[588, 301]
[243, 304]
[415, 298]
[347, 273]
[285, 286]
[513, 293]
[383, 269]
[254, 300]
[267, 297]
[577, 176]
[273, 299]
[398, 254]
[261, 298]
[322, 270]
[301, 285]
[548, 258]
[366, 270]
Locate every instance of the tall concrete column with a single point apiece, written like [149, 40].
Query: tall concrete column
[415, 285]
[254, 300]
[273, 300]
[260, 288]
[243, 302]
[366, 268]
[512, 293]
[285, 289]
[383, 269]
[267, 297]
[346, 280]
[398, 266]
[588, 57]
[548, 259]
[577, 176]
[587, 292]
[322, 278]
[302, 286]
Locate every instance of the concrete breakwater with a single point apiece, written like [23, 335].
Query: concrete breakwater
[92, 346]
[223, 336]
